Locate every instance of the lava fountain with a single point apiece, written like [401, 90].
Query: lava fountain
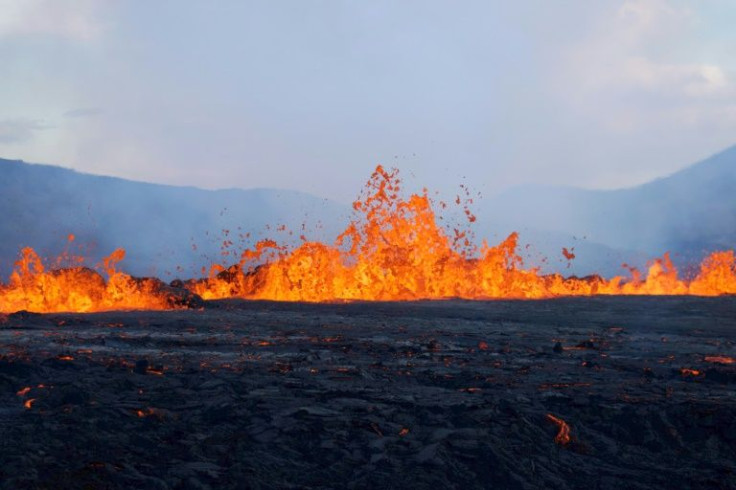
[392, 250]
[76, 288]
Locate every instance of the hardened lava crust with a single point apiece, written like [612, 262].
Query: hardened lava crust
[570, 393]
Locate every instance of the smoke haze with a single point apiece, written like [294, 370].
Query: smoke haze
[173, 231]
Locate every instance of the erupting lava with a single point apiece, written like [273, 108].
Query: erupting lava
[78, 288]
[392, 250]
[395, 250]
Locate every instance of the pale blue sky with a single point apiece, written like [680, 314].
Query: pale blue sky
[311, 95]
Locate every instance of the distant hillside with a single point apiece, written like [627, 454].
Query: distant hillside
[161, 227]
[688, 213]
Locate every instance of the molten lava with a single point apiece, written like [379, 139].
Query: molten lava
[563, 434]
[80, 289]
[720, 359]
[393, 249]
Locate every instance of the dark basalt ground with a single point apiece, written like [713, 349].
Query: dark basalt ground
[449, 394]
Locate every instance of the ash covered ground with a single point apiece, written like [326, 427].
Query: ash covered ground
[442, 394]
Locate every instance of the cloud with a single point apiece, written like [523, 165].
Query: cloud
[632, 65]
[84, 112]
[79, 21]
[691, 80]
[643, 87]
[20, 130]
[643, 17]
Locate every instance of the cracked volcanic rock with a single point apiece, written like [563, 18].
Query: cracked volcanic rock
[448, 394]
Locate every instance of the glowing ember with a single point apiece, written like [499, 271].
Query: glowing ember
[563, 436]
[720, 359]
[470, 390]
[393, 249]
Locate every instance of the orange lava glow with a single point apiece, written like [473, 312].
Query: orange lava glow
[145, 412]
[720, 359]
[79, 289]
[563, 435]
[394, 249]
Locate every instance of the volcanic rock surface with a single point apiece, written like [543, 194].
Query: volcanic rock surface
[445, 394]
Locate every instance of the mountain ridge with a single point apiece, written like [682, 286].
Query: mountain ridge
[178, 230]
[689, 212]
[163, 228]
